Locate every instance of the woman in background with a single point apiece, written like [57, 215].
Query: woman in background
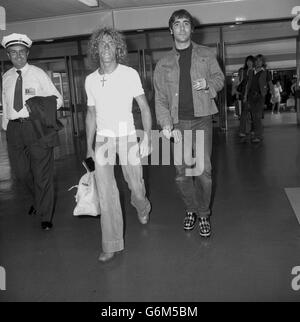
[244, 72]
[276, 96]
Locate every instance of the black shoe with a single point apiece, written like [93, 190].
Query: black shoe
[189, 221]
[256, 140]
[32, 211]
[204, 227]
[46, 225]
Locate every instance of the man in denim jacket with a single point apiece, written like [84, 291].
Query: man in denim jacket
[186, 82]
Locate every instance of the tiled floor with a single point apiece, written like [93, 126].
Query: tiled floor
[250, 256]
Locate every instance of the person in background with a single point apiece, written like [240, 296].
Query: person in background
[276, 96]
[32, 161]
[186, 82]
[110, 91]
[236, 96]
[246, 121]
[255, 93]
[293, 87]
[291, 102]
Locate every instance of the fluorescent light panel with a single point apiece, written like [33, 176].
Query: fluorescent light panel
[90, 3]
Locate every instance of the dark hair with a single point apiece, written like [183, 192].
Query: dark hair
[179, 14]
[262, 59]
[251, 58]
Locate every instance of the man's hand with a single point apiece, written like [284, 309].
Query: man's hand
[90, 153]
[200, 84]
[177, 136]
[167, 131]
[145, 147]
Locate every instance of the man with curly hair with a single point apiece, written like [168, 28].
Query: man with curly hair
[110, 90]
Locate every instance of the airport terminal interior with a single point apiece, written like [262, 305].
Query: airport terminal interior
[255, 242]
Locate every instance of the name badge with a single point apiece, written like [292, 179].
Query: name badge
[29, 91]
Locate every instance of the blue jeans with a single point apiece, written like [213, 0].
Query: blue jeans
[192, 158]
[111, 212]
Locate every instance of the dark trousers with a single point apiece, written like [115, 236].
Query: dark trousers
[33, 165]
[256, 105]
[251, 118]
[246, 120]
[194, 182]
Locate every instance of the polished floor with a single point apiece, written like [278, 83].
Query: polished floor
[250, 256]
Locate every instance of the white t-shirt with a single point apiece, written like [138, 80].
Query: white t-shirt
[112, 95]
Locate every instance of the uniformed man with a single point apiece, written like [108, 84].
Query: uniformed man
[31, 160]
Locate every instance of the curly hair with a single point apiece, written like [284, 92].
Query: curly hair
[117, 37]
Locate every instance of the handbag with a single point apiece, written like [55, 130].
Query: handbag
[87, 196]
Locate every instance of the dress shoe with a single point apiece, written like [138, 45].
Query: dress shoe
[256, 140]
[46, 225]
[32, 211]
[105, 257]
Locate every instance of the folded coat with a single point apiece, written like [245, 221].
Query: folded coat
[43, 115]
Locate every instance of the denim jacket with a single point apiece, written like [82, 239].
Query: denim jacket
[166, 84]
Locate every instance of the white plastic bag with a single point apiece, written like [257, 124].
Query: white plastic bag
[87, 196]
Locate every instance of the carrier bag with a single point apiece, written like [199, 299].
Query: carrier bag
[87, 196]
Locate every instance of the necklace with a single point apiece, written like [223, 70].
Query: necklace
[105, 76]
[103, 80]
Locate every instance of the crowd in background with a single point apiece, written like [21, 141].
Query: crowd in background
[254, 88]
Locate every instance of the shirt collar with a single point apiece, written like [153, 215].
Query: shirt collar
[24, 69]
[175, 51]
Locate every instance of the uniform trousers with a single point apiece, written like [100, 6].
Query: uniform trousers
[32, 162]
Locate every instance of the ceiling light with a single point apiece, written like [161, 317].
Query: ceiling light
[90, 3]
[239, 20]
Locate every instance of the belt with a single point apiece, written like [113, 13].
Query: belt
[21, 120]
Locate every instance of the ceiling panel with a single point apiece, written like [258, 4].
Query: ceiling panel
[123, 4]
[19, 10]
